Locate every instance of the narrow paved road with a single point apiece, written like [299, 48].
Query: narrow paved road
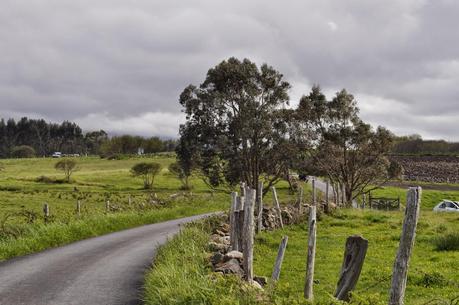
[105, 270]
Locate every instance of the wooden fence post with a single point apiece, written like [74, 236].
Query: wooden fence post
[233, 237]
[327, 195]
[78, 207]
[314, 195]
[300, 199]
[107, 205]
[343, 195]
[308, 289]
[279, 259]
[400, 271]
[129, 200]
[277, 206]
[248, 231]
[260, 207]
[354, 256]
[46, 212]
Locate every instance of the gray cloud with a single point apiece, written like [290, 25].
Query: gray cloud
[120, 65]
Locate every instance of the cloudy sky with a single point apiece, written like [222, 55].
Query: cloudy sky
[120, 65]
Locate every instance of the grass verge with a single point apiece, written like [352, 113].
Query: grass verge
[38, 237]
[182, 274]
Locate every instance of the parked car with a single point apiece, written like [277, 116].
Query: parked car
[56, 154]
[447, 206]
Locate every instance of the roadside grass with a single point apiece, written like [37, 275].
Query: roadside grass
[181, 273]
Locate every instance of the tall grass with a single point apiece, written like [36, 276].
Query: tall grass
[448, 242]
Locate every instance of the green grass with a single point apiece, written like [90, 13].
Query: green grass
[432, 273]
[22, 225]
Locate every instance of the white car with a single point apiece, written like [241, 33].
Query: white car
[447, 206]
[56, 154]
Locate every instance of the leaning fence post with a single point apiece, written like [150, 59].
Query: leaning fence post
[233, 239]
[46, 211]
[78, 207]
[276, 204]
[400, 271]
[248, 233]
[260, 207]
[354, 256]
[308, 289]
[279, 259]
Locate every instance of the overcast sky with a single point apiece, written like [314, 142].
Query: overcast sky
[120, 65]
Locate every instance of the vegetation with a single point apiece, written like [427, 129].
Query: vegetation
[229, 129]
[415, 145]
[28, 137]
[147, 171]
[447, 242]
[341, 146]
[68, 166]
[181, 174]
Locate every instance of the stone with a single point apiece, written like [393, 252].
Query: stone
[230, 267]
[233, 255]
[262, 280]
[217, 239]
[257, 285]
[216, 258]
[217, 247]
[220, 233]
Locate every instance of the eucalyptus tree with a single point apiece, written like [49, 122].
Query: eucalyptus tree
[234, 128]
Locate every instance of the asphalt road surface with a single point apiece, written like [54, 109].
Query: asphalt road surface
[105, 270]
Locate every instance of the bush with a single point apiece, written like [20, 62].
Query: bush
[448, 242]
[22, 151]
[68, 166]
[147, 171]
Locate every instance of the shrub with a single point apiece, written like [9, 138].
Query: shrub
[147, 171]
[448, 242]
[22, 151]
[68, 166]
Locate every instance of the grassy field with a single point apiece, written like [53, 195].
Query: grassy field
[433, 274]
[22, 225]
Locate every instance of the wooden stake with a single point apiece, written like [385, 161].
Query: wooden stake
[279, 259]
[327, 196]
[277, 206]
[46, 211]
[129, 200]
[248, 231]
[400, 271]
[233, 237]
[314, 195]
[300, 200]
[354, 256]
[107, 206]
[308, 288]
[260, 207]
[78, 207]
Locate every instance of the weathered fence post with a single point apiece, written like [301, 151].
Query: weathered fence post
[242, 186]
[279, 259]
[248, 231]
[260, 207]
[277, 206]
[300, 199]
[400, 272]
[238, 224]
[343, 195]
[129, 200]
[354, 256]
[233, 237]
[107, 205]
[46, 212]
[308, 289]
[314, 195]
[78, 207]
[327, 195]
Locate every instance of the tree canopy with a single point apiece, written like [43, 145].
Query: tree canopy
[147, 171]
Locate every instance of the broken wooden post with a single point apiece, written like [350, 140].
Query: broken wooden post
[354, 256]
[248, 232]
[46, 212]
[277, 206]
[238, 224]
[260, 207]
[400, 271]
[279, 259]
[233, 238]
[242, 187]
[308, 289]
[78, 207]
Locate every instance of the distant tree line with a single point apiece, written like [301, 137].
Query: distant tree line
[36, 137]
[415, 145]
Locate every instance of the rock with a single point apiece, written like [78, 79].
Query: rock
[287, 217]
[230, 267]
[225, 228]
[217, 239]
[217, 247]
[256, 285]
[218, 232]
[233, 255]
[216, 258]
[262, 280]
